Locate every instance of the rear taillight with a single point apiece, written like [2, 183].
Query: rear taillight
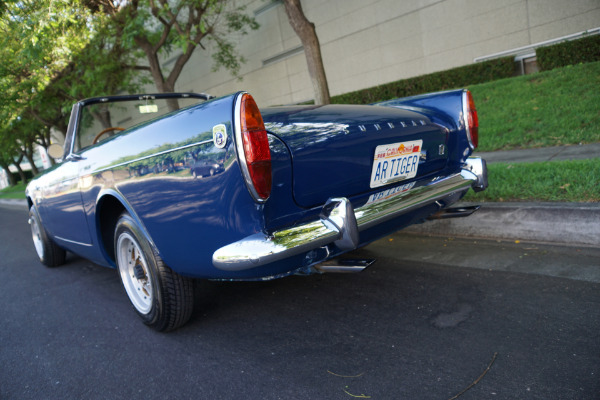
[253, 148]
[471, 119]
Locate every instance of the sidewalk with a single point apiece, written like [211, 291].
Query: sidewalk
[560, 153]
[561, 223]
[14, 202]
[564, 223]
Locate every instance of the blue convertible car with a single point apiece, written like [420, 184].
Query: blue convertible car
[171, 187]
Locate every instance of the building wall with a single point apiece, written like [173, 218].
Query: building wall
[369, 42]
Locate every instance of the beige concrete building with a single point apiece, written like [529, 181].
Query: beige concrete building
[369, 42]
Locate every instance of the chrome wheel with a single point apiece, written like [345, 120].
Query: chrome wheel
[37, 237]
[162, 298]
[135, 274]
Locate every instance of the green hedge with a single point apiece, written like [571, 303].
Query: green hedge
[449, 79]
[550, 57]
[578, 51]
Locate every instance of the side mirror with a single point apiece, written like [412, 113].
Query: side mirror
[56, 151]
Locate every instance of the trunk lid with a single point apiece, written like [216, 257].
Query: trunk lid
[334, 148]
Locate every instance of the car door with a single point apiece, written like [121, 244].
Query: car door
[63, 207]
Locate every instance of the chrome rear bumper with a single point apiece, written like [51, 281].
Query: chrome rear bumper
[340, 224]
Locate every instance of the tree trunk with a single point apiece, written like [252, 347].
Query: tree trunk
[17, 165]
[29, 155]
[312, 49]
[163, 86]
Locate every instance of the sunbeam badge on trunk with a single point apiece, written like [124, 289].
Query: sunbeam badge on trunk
[220, 135]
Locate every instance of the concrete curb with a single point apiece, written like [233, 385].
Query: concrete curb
[560, 223]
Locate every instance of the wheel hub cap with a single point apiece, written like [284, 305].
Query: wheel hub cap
[134, 273]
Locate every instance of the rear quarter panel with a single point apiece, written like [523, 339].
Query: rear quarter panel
[148, 169]
[443, 108]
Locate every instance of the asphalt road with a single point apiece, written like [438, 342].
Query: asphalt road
[424, 322]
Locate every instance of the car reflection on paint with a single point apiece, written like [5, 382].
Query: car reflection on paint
[139, 170]
[206, 168]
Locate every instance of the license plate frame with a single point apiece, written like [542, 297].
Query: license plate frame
[395, 162]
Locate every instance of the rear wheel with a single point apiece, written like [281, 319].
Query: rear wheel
[161, 297]
[49, 253]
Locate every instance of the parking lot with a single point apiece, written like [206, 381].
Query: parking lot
[430, 318]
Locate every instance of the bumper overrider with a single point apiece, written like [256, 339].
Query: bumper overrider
[340, 223]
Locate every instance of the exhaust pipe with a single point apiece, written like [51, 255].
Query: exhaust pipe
[344, 265]
[454, 212]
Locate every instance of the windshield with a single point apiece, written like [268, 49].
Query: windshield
[101, 120]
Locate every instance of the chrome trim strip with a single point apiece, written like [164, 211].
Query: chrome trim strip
[339, 223]
[153, 155]
[73, 241]
[71, 133]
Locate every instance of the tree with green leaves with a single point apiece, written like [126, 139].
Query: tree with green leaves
[38, 38]
[56, 52]
[155, 29]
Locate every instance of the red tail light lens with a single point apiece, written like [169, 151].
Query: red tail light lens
[256, 150]
[471, 119]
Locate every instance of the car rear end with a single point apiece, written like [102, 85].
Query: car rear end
[334, 178]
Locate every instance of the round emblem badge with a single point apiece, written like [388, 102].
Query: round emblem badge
[220, 135]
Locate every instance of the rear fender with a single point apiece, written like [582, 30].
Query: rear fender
[443, 108]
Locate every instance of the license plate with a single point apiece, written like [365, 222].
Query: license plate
[395, 162]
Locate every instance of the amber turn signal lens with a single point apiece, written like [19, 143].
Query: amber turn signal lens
[472, 121]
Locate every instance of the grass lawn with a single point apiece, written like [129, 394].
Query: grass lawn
[15, 192]
[551, 108]
[561, 181]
